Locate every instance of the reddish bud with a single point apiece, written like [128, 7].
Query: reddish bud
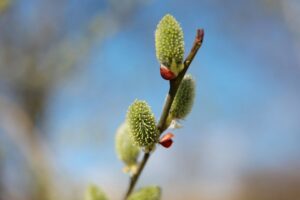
[166, 141]
[199, 36]
[166, 73]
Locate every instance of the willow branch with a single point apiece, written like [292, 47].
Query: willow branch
[174, 84]
[161, 126]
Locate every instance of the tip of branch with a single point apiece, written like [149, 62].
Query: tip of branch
[200, 36]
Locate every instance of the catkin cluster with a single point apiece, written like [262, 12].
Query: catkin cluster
[139, 131]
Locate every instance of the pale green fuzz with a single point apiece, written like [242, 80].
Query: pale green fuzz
[142, 125]
[125, 148]
[94, 193]
[184, 99]
[169, 43]
[147, 193]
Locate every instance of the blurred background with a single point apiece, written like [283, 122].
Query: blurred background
[69, 69]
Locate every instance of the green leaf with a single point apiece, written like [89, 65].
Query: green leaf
[146, 193]
[94, 193]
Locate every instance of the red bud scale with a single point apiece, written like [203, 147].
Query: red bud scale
[166, 140]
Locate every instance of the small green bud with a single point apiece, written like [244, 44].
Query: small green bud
[184, 99]
[125, 148]
[169, 44]
[141, 123]
[94, 193]
[147, 193]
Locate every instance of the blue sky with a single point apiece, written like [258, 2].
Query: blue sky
[237, 83]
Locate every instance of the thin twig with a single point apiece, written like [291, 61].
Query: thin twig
[161, 126]
[136, 176]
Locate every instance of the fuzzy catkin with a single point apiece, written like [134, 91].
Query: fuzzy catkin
[142, 125]
[125, 148]
[94, 193]
[169, 43]
[184, 99]
[147, 193]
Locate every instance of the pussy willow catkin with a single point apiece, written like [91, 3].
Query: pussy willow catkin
[169, 44]
[142, 125]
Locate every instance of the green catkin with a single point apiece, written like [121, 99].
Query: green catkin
[169, 43]
[125, 148]
[147, 193]
[94, 193]
[142, 125]
[184, 99]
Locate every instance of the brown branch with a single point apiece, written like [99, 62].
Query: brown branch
[161, 126]
[136, 176]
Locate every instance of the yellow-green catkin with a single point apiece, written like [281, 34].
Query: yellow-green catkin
[146, 193]
[142, 125]
[126, 150]
[184, 99]
[169, 44]
[94, 193]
